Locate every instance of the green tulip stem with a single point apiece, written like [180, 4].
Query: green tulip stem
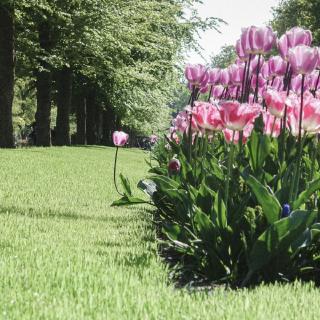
[115, 172]
[227, 181]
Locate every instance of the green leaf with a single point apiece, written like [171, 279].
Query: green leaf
[127, 201]
[279, 237]
[220, 210]
[269, 203]
[305, 195]
[126, 185]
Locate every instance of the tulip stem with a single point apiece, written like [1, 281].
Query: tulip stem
[243, 81]
[193, 97]
[230, 161]
[115, 171]
[317, 84]
[247, 82]
[210, 93]
[255, 99]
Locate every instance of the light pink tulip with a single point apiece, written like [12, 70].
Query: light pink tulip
[261, 81]
[277, 66]
[244, 42]
[265, 72]
[207, 116]
[217, 91]
[246, 134]
[214, 76]
[313, 80]
[303, 59]
[236, 116]
[298, 36]
[254, 64]
[240, 52]
[272, 125]
[236, 73]
[224, 79]
[181, 121]
[120, 138]
[275, 102]
[296, 83]
[261, 40]
[277, 83]
[196, 74]
[283, 47]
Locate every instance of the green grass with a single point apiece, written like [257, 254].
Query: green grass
[65, 254]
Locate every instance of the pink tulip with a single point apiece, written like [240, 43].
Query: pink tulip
[224, 79]
[244, 46]
[310, 115]
[204, 89]
[272, 125]
[275, 102]
[196, 74]
[254, 64]
[296, 83]
[217, 91]
[303, 59]
[120, 138]
[313, 80]
[181, 121]
[277, 83]
[261, 81]
[240, 52]
[246, 134]
[207, 116]
[265, 72]
[283, 47]
[236, 116]
[236, 73]
[261, 40]
[153, 138]
[214, 76]
[174, 166]
[277, 66]
[298, 36]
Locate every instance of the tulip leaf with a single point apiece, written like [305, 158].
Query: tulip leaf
[279, 237]
[126, 185]
[306, 194]
[127, 200]
[220, 210]
[269, 203]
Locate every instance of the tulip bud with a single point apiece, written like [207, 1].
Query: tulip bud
[120, 138]
[174, 166]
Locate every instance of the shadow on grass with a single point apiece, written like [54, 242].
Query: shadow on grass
[68, 215]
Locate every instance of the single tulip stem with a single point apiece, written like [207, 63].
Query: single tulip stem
[255, 99]
[301, 109]
[193, 97]
[272, 128]
[210, 93]
[286, 76]
[115, 172]
[243, 81]
[247, 82]
[317, 84]
[227, 181]
[272, 81]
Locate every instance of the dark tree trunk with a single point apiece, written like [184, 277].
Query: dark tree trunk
[64, 87]
[6, 74]
[91, 119]
[81, 120]
[108, 126]
[44, 83]
[98, 122]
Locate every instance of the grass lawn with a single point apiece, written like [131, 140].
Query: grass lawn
[65, 254]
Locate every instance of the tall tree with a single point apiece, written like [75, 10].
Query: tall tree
[7, 67]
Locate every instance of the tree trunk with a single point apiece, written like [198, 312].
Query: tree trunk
[7, 59]
[108, 126]
[81, 121]
[91, 119]
[44, 83]
[64, 87]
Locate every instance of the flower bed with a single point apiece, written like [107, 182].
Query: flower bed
[237, 185]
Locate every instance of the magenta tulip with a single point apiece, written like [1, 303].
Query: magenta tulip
[236, 116]
[120, 138]
[224, 79]
[196, 74]
[236, 73]
[207, 116]
[303, 59]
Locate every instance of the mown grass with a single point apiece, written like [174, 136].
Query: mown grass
[66, 254]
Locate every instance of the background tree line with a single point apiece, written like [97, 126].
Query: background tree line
[87, 67]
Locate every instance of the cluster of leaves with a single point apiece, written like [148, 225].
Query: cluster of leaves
[246, 238]
[127, 52]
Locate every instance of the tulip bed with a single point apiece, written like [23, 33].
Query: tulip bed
[237, 184]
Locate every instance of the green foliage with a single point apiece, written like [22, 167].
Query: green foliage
[224, 58]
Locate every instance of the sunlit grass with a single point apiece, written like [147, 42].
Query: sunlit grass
[66, 254]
